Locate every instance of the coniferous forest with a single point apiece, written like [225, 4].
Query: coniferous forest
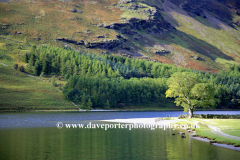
[112, 81]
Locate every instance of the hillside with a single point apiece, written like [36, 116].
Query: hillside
[21, 92]
[111, 54]
[194, 34]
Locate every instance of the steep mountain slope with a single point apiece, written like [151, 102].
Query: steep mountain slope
[201, 34]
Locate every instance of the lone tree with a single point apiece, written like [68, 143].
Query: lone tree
[190, 91]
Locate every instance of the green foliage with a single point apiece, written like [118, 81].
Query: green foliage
[15, 66]
[129, 81]
[190, 91]
[118, 90]
[89, 104]
[42, 74]
[32, 60]
[83, 101]
[66, 76]
[26, 58]
[53, 81]
[37, 69]
[33, 48]
[204, 94]
[107, 105]
[21, 68]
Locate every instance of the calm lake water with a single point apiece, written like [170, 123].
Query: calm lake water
[35, 136]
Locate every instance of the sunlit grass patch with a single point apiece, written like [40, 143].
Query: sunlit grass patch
[21, 92]
[228, 126]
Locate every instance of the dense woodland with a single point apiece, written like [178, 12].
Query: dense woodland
[113, 81]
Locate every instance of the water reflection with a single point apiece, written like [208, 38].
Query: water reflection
[53, 143]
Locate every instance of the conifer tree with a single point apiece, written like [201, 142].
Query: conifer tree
[26, 58]
[32, 60]
[45, 68]
[75, 70]
[37, 69]
[89, 104]
[107, 105]
[83, 101]
[71, 83]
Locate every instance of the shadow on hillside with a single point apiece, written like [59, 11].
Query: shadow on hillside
[190, 43]
[202, 12]
[201, 47]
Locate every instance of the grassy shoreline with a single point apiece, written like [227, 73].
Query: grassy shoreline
[226, 126]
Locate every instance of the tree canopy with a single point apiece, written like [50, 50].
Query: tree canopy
[124, 80]
[190, 91]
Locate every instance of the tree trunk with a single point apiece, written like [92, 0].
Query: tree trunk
[190, 111]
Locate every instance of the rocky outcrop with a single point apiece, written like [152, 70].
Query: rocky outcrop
[108, 44]
[73, 10]
[145, 17]
[81, 42]
[150, 26]
[162, 52]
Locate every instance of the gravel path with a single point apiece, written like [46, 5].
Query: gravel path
[217, 131]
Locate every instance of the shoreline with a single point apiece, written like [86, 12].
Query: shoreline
[217, 144]
[164, 122]
[142, 121]
[101, 110]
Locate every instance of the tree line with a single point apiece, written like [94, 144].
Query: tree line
[107, 81]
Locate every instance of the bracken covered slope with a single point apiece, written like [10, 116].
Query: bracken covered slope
[201, 34]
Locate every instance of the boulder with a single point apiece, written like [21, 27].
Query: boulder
[100, 25]
[73, 10]
[100, 36]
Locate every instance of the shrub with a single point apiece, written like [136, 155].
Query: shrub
[15, 66]
[42, 74]
[53, 80]
[21, 68]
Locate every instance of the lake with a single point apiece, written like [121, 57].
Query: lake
[35, 136]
